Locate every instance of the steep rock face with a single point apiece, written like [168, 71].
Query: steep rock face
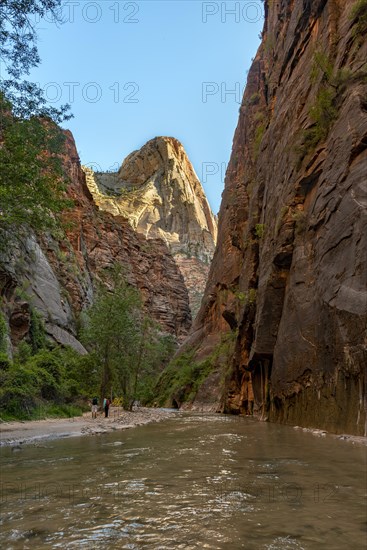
[59, 273]
[157, 190]
[289, 273]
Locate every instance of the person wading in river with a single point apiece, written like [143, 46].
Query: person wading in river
[106, 406]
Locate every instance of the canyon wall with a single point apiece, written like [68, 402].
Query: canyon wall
[57, 273]
[289, 274]
[158, 191]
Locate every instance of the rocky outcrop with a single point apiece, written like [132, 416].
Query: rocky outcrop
[289, 272]
[157, 190]
[57, 273]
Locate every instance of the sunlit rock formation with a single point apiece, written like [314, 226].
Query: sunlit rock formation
[157, 190]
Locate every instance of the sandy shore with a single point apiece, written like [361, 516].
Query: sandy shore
[18, 433]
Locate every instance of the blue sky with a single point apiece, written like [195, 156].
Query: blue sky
[135, 70]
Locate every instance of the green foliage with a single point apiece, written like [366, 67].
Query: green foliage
[49, 382]
[247, 297]
[252, 293]
[241, 297]
[324, 111]
[254, 99]
[359, 18]
[37, 333]
[4, 362]
[259, 230]
[24, 352]
[301, 221]
[183, 377]
[321, 63]
[126, 343]
[32, 185]
[19, 54]
[261, 123]
[3, 334]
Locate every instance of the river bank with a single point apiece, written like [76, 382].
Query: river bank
[34, 431]
[17, 433]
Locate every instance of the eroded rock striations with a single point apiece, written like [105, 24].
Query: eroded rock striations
[57, 274]
[157, 190]
[289, 273]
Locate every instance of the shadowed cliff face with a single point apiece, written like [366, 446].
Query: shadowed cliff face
[58, 274]
[289, 272]
[157, 190]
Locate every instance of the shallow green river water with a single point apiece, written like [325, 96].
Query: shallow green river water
[189, 482]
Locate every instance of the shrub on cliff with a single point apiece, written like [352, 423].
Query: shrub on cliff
[359, 18]
[332, 84]
[182, 378]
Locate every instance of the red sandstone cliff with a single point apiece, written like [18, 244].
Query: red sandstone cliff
[57, 274]
[289, 273]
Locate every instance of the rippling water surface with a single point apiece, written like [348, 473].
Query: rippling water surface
[189, 482]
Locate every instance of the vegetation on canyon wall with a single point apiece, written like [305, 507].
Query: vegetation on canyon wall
[126, 350]
[180, 381]
[324, 111]
[359, 18]
[127, 346]
[41, 378]
[32, 183]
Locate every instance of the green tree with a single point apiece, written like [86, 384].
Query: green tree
[128, 346]
[32, 183]
[112, 332]
[3, 334]
[153, 352]
[19, 54]
[31, 179]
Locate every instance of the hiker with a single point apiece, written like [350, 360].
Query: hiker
[106, 406]
[94, 407]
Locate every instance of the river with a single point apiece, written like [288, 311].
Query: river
[192, 481]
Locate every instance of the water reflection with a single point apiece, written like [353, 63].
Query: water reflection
[189, 482]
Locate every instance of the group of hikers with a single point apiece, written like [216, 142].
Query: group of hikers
[105, 407]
